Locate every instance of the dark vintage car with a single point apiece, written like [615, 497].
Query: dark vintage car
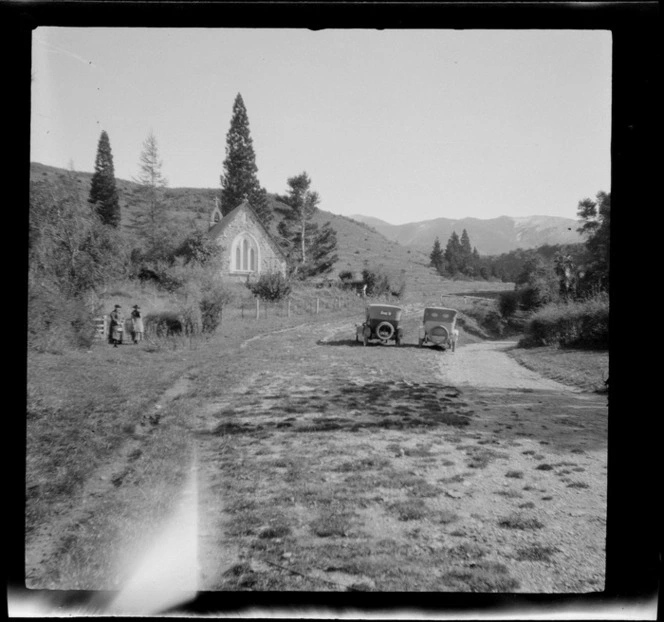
[381, 325]
[439, 328]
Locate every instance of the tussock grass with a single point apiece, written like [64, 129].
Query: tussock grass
[510, 494]
[519, 521]
[578, 485]
[331, 524]
[535, 553]
[467, 550]
[484, 576]
[412, 509]
[445, 517]
[363, 464]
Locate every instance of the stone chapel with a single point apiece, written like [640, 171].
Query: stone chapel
[249, 248]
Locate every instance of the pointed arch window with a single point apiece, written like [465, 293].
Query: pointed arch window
[245, 254]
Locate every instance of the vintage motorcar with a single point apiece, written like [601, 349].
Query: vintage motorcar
[439, 328]
[381, 324]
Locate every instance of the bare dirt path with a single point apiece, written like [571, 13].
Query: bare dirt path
[328, 466]
[486, 364]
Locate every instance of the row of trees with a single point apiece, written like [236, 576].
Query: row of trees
[458, 258]
[309, 247]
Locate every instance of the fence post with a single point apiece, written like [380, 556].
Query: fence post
[258, 309]
[317, 304]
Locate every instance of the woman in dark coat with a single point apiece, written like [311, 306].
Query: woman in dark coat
[116, 326]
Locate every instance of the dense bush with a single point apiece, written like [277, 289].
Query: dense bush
[69, 247]
[198, 247]
[57, 322]
[271, 286]
[163, 324]
[580, 323]
[532, 297]
[159, 273]
[508, 303]
[380, 282]
[211, 305]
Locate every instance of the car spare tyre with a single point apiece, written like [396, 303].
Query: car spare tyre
[384, 331]
[439, 334]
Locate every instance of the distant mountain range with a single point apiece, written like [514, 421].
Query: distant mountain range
[491, 236]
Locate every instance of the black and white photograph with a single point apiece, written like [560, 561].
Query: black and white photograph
[318, 312]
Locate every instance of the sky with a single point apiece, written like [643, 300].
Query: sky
[401, 125]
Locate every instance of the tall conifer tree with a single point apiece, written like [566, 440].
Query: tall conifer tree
[466, 253]
[453, 253]
[153, 226]
[103, 191]
[239, 180]
[437, 257]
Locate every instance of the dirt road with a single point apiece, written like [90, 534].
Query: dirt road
[325, 465]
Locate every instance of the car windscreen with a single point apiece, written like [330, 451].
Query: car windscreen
[439, 315]
[384, 313]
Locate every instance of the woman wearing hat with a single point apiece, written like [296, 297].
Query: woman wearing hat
[117, 320]
[136, 324]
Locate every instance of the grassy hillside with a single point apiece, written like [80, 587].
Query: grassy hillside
[183, 205]
[359, 245]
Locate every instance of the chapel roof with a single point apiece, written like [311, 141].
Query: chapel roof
[218, 228]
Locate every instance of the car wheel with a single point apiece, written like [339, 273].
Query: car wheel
[384, 331]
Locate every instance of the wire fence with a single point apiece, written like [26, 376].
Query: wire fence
[257, 309]
[305, 305]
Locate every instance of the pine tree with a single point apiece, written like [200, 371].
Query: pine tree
[453, 253]
[466, 258]
[103, 191]
[239, 180]
[310, 249]
[437, 257]
[152, 224]
[476, 264]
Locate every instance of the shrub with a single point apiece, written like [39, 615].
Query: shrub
[163, 324]
[161, 274]
[508, 303]
[379, 282]
[57, 322]
[578, 323]
[535, 295]
[212, 305]
[270, 286]
[198, 247]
